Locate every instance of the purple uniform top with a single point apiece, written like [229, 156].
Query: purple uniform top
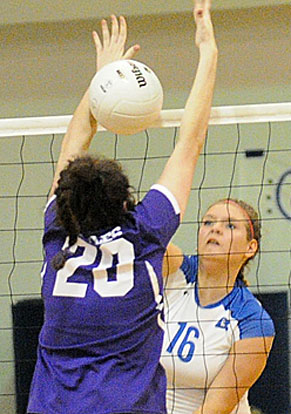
[100, 345]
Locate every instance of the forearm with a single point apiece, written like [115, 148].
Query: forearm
[244, 365]
[77, 139]
[197, 111]
[178, 173]
[83, 126]
[221, 401]
[196, 115]
[81, 129]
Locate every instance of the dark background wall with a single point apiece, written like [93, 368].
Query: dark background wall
[270, 393]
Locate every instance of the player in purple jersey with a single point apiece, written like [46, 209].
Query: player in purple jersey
[218, 335]
[100, 345]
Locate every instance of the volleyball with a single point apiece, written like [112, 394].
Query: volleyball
[125, 97]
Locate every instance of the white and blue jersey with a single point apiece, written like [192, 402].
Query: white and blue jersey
[198, 338]
[100, 345]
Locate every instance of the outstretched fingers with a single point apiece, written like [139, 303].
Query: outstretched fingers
[97, 41]
[122, 30]
[201, 7]
[131, 52]
[202, 4]
[111, 45]
[114, 29]
[204, 26]
[105, 33]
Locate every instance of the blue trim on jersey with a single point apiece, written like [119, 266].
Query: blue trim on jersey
[253, 320]
[189, 267]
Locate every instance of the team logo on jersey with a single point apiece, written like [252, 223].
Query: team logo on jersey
[223, 323]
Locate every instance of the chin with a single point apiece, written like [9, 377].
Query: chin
[214, 254]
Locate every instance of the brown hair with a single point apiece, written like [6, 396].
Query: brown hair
[253, 226]
[91, 195]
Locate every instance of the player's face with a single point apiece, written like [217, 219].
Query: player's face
[223, 234]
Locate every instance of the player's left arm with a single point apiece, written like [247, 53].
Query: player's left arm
[244, 365]
[83, 126]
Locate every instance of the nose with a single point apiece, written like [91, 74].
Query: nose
[217, 227]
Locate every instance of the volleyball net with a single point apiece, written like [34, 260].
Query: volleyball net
[246, 156]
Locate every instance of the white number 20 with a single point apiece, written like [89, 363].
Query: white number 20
[120, 248]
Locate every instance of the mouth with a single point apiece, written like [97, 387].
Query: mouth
[213, 241]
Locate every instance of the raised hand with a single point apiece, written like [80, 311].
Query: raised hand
[112, 45]
[204, 27]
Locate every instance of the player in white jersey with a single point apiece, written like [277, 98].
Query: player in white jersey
[217, 336]
[99, 348]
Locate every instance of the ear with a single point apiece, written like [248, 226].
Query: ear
[251, 248]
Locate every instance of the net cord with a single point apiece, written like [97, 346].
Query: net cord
[243, 114]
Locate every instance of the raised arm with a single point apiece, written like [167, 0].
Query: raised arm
[178, 173]
[245, 364]
[83, 126]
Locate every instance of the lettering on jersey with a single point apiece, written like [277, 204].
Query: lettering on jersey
[117, 254]
[223, 323]
[107, 237]
[186, 348]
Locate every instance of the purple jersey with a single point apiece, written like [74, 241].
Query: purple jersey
[100, 345]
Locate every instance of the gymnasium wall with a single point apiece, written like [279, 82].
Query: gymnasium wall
[45, 68]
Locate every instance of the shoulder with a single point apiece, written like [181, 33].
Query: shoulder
[158, 214]
[52, 229]
[50, 203]
[184, 273]
[50, 211]
[190, 268]
[159, 197]
[252, 318]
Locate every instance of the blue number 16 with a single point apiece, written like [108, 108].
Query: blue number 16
[187, 347]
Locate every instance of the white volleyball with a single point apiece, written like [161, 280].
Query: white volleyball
[126, 97]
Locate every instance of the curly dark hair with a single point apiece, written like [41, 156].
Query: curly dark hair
[252, 233]
[92, 194]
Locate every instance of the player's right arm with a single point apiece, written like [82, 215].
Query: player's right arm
[179, 170]
[77, 139]
[173, 259]
[83, 126]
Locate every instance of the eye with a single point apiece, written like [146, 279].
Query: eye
[207, 222]
[231, 226]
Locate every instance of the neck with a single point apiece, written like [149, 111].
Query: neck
[215, 281]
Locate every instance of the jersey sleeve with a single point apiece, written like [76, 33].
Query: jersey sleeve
[51, 228]
[159, 213]
[254, 321]
[189, 267]
[50, 213]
